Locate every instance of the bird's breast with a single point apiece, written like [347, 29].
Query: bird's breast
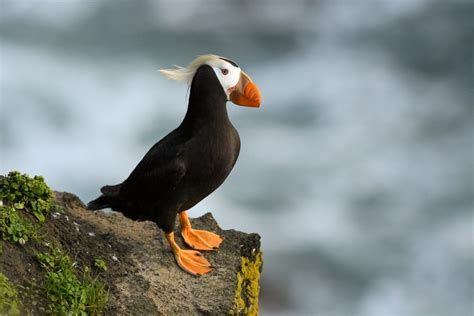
[218, 153]
[213, 156]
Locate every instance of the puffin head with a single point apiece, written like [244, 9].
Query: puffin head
[238, 86]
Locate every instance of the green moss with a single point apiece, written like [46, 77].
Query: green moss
[20, 195]
[14, 228]
[67, 293]
[68, 288]
[248, 286]
[100, 264]
[9, 304]
[21, 191]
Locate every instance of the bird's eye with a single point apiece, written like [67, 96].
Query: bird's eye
[225, 71]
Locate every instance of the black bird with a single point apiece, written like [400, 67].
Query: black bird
[189, 163]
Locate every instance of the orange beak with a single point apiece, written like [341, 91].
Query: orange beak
[245, 92]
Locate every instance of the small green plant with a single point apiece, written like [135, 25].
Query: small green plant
[14, 228]
[100, 264]
[22, 191]
[30, 295]
[65, 291]
[9, 303]
[95, 292]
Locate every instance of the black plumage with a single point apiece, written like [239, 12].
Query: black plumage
[189, 163]
[185, 166]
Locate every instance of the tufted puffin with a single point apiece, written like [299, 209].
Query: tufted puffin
[190, 162]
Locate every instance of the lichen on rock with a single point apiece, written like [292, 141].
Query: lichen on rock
[248, 286]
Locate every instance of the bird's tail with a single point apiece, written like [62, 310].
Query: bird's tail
[99, 203]
[110, 198]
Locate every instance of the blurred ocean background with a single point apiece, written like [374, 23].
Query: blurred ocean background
[357, 170]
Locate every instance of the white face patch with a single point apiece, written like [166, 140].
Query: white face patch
[227, 74]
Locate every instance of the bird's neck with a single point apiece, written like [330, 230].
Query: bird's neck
[206, 107]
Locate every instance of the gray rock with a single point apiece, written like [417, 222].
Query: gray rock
[142, 275]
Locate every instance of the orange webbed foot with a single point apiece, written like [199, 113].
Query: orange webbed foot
[201, 239]
[198, 239]
[190, 261]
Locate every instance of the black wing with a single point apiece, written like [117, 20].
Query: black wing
[159, 173]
